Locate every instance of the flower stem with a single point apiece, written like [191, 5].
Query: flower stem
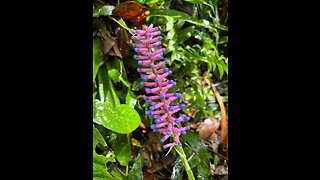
[183, 157]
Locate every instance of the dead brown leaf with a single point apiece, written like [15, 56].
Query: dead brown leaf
[123, 41]
[109, 43]
[221, 170]
[208, 129]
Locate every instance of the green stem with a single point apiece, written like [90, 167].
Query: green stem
[183, 157]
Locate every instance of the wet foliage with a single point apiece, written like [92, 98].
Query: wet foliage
[195, 35]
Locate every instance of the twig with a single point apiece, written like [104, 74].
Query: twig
[219, 84]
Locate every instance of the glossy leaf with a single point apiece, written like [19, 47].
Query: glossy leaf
[136, 170]
[198, 149]
[122, 119]
[193, 158]
[131, 99]
[114, 69]
[122, 149]
[97, 138]
[106, 88]
[99, 167]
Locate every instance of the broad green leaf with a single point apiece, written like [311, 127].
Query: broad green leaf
[114, 171]
[122, 149]
[203, 172]
[96, 56]
[122, 119]
[197, 146]
[131, 99]
[178, 15]
[99, 167]
[193, 158]
[103, 11]
[114, 69]
[136, 170]
[106, 88]
[97, 138]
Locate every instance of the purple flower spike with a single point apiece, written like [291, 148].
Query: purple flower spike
[147, 45]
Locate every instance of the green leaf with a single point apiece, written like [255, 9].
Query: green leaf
[103, 11]
[136, 170]
[193, 158]
[221, 70]
[96, 56]
[171, 33]
[123, 78]
[122, 24]
[203, 172]
[131, 99]
[122, 119]
[169, 24]
[114, 69]
[195, 1]
[223, 40]
[97, 138]
[199, 148]
[94, 95]
[216, 160]
[184, 34]
[122, 149]
[99, 167]
[136, 85]
[178, 15]
[106, 88]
